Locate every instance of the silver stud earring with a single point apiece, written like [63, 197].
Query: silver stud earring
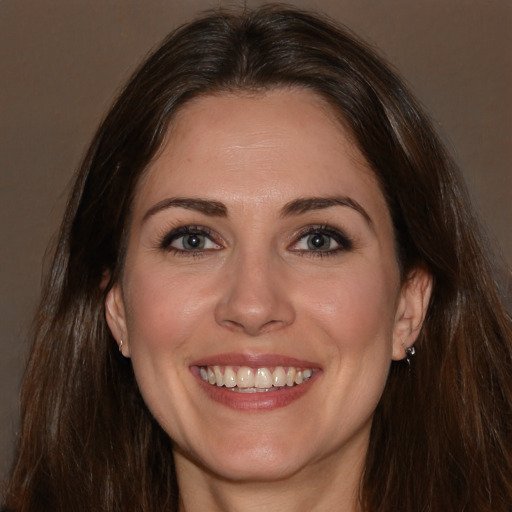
[410, 351]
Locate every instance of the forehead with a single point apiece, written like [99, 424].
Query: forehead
[277, 144]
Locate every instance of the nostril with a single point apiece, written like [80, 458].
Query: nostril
[255, 298]
[251, 328]
[254, 321]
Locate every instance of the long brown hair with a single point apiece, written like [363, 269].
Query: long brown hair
[441, 435]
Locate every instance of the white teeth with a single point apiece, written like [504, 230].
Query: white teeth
[263, 379]
[251, 380]
[229, 377]
[279, 377]
[245, 377]
[290, 376]
[219, 378]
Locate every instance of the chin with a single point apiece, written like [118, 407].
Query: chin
[256, 461]
[261, 467]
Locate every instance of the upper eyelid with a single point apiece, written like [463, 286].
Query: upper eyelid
[320, 228]
[346, 242]
[172, 234]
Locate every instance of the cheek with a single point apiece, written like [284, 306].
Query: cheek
[164, 309]
[164, 314]
[356, 307]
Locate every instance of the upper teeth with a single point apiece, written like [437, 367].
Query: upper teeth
[245, 377]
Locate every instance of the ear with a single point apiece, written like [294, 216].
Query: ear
[411, 310]
[116, 318]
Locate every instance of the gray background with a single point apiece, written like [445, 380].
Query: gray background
[61, 62]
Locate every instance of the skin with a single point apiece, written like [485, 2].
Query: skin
[256, 288]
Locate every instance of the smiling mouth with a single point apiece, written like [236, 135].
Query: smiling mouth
[244, 379]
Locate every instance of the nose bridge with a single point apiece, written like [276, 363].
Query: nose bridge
[254, 299]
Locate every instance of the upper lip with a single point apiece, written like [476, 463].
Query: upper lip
[253, 360]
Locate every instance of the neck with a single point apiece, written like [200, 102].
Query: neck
[325, 486]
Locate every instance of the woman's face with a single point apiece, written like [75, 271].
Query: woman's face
[261, 302]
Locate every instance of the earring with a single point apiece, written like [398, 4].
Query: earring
[410, 351]
[121, 345]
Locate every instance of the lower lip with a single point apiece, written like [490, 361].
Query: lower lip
[268, 400]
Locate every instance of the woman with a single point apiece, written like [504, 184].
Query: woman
[264, 232]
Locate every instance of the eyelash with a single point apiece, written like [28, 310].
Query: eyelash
[343, 241]
[182, 231]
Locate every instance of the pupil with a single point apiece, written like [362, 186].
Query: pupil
[193, 241]
[317, 241]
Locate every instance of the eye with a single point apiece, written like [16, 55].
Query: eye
[317, 242]
[323, 240]
[192, 242]
[189, 239]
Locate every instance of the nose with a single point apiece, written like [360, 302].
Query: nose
[255, 298]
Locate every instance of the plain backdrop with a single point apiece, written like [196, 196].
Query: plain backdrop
[62, 61]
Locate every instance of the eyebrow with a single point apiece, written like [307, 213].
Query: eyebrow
[206, 206]
[295, 207]
[306, 204]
